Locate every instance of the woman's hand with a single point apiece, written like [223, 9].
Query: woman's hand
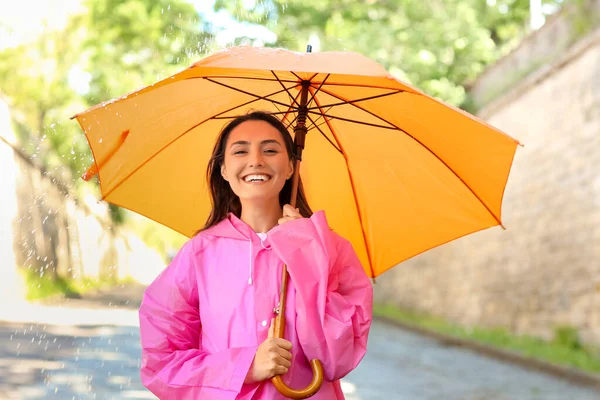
[289, 214]
[273, 357]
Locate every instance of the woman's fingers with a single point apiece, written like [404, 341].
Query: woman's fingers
[284, 344]
[280, 370]
[289, 214]
[284, 362]
[289, 211]
[284, 353]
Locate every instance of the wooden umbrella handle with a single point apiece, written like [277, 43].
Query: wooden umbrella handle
[279, 331]
[308, 391]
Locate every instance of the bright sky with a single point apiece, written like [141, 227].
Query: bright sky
[229, 29]
[24, 19]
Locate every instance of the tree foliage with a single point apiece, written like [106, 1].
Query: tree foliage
[113, 47]
[133, 43]
[436, 45]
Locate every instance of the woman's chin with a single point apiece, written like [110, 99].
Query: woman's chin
[258, 196]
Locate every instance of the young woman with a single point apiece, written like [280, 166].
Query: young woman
[206, 321]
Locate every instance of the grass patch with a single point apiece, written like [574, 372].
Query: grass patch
[565, 349]
[43, 286]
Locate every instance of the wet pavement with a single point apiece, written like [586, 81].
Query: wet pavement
[405, 366]
[81, 350]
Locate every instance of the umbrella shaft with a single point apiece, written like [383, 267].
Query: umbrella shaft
[299, 140]
[295, 182]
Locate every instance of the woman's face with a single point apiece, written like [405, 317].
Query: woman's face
[256, 163]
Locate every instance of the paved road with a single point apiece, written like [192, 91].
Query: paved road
[405, 366]
[98, 358]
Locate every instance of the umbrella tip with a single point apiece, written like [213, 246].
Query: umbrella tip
[309, 48]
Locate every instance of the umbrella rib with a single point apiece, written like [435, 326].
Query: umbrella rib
[341, 103]
[218, 116]
[241, 77]
[353, 187]
[300, 79]
[281, 112]
[278, 109]
[324, 135]
[292, 122]
[365, 86]
[317, 91]
[287, 91]
[321, 116]
[290, 109]
[424, 146]
[285, 113]
[248, 93]
[354, 121]
[294, 99]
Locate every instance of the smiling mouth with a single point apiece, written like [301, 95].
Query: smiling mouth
[256, 178]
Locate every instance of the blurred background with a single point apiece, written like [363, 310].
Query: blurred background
[529, 67]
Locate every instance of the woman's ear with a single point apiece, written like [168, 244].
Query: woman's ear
[224, 172]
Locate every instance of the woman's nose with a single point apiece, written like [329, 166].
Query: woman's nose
[256, 159]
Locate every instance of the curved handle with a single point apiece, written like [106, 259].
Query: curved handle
[279, 331]
[311, 389]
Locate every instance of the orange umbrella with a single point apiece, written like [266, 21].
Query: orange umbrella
[397, 171]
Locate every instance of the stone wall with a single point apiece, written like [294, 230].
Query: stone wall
[537, 51]
[44, 228]
[544, 270]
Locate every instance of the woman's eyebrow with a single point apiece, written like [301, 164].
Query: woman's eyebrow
[247, 143]
[241, 142]
[270, 141]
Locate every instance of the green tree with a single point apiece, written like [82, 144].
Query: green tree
[133, 43]
[113, 47]
[34, 77]
[434, 44]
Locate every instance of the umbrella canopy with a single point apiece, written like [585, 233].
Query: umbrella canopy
[397, 171]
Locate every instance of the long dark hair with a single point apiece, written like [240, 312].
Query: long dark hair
[223, 199]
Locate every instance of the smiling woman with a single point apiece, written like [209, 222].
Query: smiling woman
[208, 332]
[254, 144]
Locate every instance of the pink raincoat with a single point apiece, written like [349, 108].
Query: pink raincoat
[205, 315]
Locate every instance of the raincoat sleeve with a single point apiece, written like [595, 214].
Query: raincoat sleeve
[334, 296]
[174, 366]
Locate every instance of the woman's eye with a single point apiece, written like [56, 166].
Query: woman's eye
[238, 152]
[271, 151]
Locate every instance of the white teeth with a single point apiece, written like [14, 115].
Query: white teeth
[256, 178]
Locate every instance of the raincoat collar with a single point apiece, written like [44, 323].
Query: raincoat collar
[234, 228]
